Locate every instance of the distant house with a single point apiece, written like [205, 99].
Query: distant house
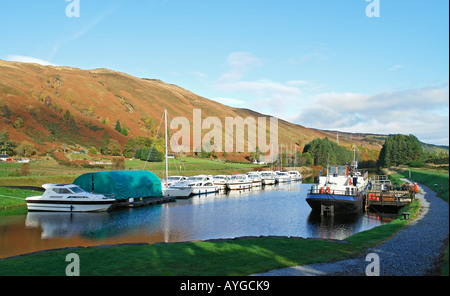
[5, 158]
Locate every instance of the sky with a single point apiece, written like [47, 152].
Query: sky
[363, 66]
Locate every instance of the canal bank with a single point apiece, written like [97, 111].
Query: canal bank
[415, 250]
[221, 257]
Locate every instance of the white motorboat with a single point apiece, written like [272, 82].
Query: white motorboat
[68, 198]
[200, 184]
[295, 175]
[282, 177]
[221, 181]
[174, 191]
[239, 182]
[169, 181]
[255, 177]
[168, 189]
[268, 178]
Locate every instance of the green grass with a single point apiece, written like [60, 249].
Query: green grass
[220, 258]
[445, 265]
[49, 171]
[12, 198]
[438, 181]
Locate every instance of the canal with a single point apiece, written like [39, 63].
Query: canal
[278, 210]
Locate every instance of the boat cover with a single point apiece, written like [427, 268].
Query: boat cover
[121, 184]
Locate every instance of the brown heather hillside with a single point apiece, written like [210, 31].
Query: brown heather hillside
[41, 96]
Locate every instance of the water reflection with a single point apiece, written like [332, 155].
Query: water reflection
[273, 210]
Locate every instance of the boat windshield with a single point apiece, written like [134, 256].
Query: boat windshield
[339, 170]
[76, 189]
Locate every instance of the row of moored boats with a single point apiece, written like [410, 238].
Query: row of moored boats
[72, 198]
[180, 186]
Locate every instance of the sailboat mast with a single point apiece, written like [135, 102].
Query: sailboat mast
[167, 166]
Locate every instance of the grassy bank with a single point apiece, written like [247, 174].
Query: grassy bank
[220, 258]
[12, 199]
[49, 171]
[438, 181]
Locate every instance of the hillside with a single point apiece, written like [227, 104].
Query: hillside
[54, 106]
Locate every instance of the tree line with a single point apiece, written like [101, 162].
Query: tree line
[399, 150]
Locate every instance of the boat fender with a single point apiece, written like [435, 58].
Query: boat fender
[322, 190]
[349, 181]
[328, 190]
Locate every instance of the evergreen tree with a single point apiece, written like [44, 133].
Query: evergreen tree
[400, 149]
[104, 144]
[118, 127]
[324, 151]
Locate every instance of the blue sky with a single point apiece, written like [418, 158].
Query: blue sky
[319, 63]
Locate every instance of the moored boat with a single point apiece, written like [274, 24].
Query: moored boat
[200, 184]
[255, 177]
[221, 181]
[268, 178]
[295, 176]
[68, 198]
[282, 177]
[341, 190]
[239, 182]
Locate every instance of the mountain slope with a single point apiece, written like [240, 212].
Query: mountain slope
[51, 106]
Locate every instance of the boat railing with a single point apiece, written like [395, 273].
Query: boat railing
[380, 182]
[349, 191]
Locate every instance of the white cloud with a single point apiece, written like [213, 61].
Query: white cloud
[422, 112]
[24, 59]
[197, 74]
[83, 31]
[396, 67]
[262, 87]
[296, 82]
[239, 64]
[229, 101]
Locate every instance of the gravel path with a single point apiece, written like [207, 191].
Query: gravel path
[413, 251]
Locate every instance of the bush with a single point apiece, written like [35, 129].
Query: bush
[93, 151]
[24, 169]
[118, 163]
[416, 164]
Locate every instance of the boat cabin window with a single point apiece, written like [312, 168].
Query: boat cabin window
[62, 191]
[76, 189]
[339, 170]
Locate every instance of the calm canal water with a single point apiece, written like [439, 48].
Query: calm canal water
[278, 210]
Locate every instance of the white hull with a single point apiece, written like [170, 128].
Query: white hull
[256, 183]
[204, 189]
[268, 181]
[220, 186]
[239, 186]
[283, 180]
[177, 192]
[58, 207]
